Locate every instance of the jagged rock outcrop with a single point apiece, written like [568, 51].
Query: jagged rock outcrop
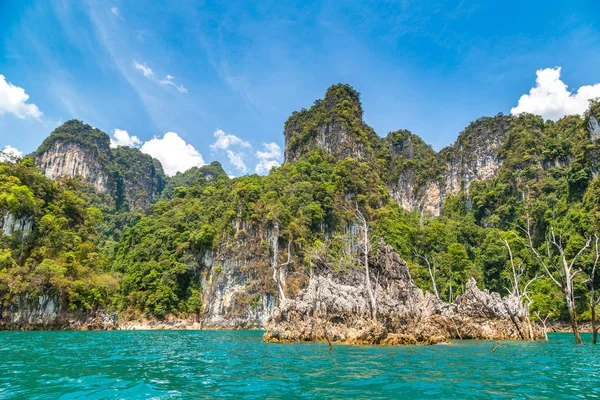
[44, 311]
[333, 124]
[77, 149]
[418, 178]
[335, 307]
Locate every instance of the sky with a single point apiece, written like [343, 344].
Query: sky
[190, 82]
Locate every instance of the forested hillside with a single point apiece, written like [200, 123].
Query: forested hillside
[515, 198]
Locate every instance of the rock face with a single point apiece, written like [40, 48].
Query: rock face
[12, 225]
[333, 124]
[335, 306]
[235, 280]
[73, 149]
[417, 178]
[593, 128]
[45, 312]
[69, 160]
[474, 156]
[139, 178]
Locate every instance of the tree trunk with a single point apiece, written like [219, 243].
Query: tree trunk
[275, 263]
[573, 318]
[594, 326]
[369, 288]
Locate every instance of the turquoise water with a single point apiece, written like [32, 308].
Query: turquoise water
[196, 364]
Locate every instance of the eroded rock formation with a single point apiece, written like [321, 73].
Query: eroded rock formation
[335, 307]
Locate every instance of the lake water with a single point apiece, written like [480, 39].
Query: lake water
[196, 364]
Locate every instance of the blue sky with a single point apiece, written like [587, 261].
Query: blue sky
[235, 71]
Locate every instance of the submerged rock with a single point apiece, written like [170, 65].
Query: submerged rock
[335, 306]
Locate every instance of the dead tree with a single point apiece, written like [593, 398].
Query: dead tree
[366, 247]
[543, 321]
[523, 300]
[278, 269]
[593, 300]
[565, 269]
[431, 267]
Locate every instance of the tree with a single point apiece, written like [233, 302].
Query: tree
[278, 273]
[365, 247]
[594, 301]
[430, 262]
[523, 299]
[564, 268]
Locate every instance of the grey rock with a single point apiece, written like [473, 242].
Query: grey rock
[593, 128]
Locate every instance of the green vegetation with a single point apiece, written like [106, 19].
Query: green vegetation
[340, 111]
[195, 176]
[119, 251]
[59, 254]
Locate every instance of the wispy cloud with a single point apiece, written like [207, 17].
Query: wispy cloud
[115, 10]
[168, 80]
[146, 70]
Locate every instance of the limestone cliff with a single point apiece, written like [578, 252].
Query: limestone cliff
[73, 149]
[138, 177]
[236, 281]
[45, 311]
[333, 124]
[474, 156]
[417, 178]
[63, 157]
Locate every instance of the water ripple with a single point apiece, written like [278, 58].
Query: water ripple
[169, 364]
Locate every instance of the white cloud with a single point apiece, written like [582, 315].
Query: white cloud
[237, 160]
[551, 98]
[115, 10]
[122, 138]
[146, 70]
[169, 81]
[224, 140]
[9, 152]
[264, 166]
[174, 153]
[268, 158]
[13, 100]
[272, 150]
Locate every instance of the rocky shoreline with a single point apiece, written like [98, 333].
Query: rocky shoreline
[336, 307]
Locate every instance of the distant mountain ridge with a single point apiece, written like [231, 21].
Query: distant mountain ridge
[417, 177]
[132, 178]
